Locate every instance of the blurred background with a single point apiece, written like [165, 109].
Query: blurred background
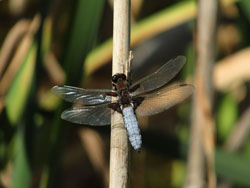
[55, 42]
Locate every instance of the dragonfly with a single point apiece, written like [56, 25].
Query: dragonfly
[145, 97]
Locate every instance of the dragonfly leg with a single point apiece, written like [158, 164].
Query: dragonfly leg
[134, 88]
[137, 101]
[113, 94]
[116, 107]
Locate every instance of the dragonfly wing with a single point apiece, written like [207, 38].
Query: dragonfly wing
[163, 99]
[159, 78]
[89, 115]
[82, 96]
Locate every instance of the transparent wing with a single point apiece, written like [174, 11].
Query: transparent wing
[163, 99]
[82, 96]
[89, 115]
[159, 78]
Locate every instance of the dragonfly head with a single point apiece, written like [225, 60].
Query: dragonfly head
[119, 77]
[119, 81]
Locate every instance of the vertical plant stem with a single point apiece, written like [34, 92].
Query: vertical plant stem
[240, 133]
[202, 131]
[119, 146]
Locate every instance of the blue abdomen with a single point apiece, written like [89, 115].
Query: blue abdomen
[132, 127]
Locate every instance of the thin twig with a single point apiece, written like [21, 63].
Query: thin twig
[240, 132]
[202, 130]
[119, 147]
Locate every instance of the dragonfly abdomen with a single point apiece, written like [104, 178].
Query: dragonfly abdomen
[132, 127]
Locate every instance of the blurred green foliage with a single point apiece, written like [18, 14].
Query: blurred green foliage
[34, 140]
[18, 92]
[227, 116]
[232, 167]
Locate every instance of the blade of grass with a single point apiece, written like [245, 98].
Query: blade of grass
[82, 37]
[22, 170]
[226, 116]
[17, 95]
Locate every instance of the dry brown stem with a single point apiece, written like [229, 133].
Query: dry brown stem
[202, 130]
[119, 146]
[240, 132]
[13, 37]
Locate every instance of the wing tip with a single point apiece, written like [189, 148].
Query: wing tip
[185, 84]
[63, 114]
[182, 58]
[56, 89]
[188, 85]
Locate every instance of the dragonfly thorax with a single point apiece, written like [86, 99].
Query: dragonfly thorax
[121, 85]
[124, 98]
[119, 82]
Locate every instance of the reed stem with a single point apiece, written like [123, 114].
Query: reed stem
[119, 146]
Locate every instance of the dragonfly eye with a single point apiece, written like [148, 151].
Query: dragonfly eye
[123, 77]
[115, 78]
[118, 76]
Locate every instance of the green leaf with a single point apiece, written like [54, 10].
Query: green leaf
[232, 167]
[245, 6]
[22, 170]
[226, 116]
[178, 173]
[16, 97]
[83, 35]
